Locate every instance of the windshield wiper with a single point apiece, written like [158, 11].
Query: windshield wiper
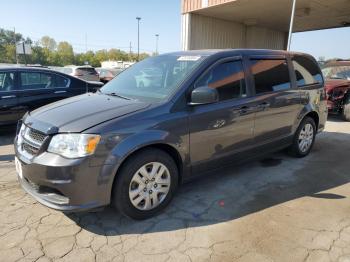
[115, 94]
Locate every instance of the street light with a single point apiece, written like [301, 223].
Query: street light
[138, 38]
[157, 38]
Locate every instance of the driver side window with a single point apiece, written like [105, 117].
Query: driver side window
[227, 78]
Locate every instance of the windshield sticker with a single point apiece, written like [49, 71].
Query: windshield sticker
[188, 58]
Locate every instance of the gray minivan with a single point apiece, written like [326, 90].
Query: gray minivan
[131, 145]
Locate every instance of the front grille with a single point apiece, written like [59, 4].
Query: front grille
[32, 150]
[30, 141]
[36, 136]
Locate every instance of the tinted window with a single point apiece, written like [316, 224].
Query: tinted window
[227, 78]
[306, 71]
[6, 81]
[36, 80]
[61, 81]
[270, 75]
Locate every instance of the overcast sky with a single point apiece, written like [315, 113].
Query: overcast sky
[112, 23]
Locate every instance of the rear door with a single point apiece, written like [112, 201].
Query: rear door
[277, 99]
[9, 111]
[39, 88]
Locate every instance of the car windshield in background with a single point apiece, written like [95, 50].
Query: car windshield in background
[86, 70]
[153, 79]
[337, 72]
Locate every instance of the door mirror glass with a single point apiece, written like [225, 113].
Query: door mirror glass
[204, 95]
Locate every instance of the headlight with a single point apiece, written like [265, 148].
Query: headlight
[74, 145]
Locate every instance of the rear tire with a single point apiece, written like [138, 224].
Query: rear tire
[139, 195]
[304, 138]
[346, 111]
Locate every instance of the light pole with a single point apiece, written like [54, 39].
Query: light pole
[157, 38]
[138, 38]
[291, 26]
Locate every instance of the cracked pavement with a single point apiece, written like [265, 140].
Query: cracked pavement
[274, 209]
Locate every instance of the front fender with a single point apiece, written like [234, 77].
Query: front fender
[124, 148]
[140, 140]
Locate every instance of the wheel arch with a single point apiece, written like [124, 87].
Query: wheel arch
[308, 111]
[314, 115]
[165, 147]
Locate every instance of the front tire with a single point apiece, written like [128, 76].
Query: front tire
[346, 111]
[145, 184]
[304, 138]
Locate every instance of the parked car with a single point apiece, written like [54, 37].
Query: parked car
[24, 89]
[149, 77]
[133, 146]
[107, 74]
[86, 72]
[337, 74]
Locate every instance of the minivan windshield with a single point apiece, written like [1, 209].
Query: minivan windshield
[154, 79]
[337, 72]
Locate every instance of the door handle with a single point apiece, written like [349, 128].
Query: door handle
[264, 105]
[243, 110]
[7, 97]
[60, 92]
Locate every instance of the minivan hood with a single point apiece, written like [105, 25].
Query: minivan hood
[81, 112]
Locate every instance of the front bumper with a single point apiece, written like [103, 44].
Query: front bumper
[65, 184]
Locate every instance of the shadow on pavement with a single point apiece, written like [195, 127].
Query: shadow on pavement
[335, 118]
[6, 158]
[235, 192]
[7, 135]
[327, 196]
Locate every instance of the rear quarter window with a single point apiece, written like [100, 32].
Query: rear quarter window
[307, 72]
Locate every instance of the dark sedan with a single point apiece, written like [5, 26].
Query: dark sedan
[24, 89]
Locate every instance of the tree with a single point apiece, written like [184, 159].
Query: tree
[47, 52]
[65, 53]
[101, 55]
[117, 55]
[48, 42]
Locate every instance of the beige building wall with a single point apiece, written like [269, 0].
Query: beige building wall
[191, 5]
[259, 37]
[202, 32]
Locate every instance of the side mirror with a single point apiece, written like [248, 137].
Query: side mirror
[204, 95]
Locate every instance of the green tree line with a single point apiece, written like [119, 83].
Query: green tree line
[48, 52]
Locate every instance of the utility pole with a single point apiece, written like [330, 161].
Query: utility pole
[138, 38]
[130, 47]
[15, 41]
[291, 26]
[24, 52]
[157, 38]
[85, 42]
